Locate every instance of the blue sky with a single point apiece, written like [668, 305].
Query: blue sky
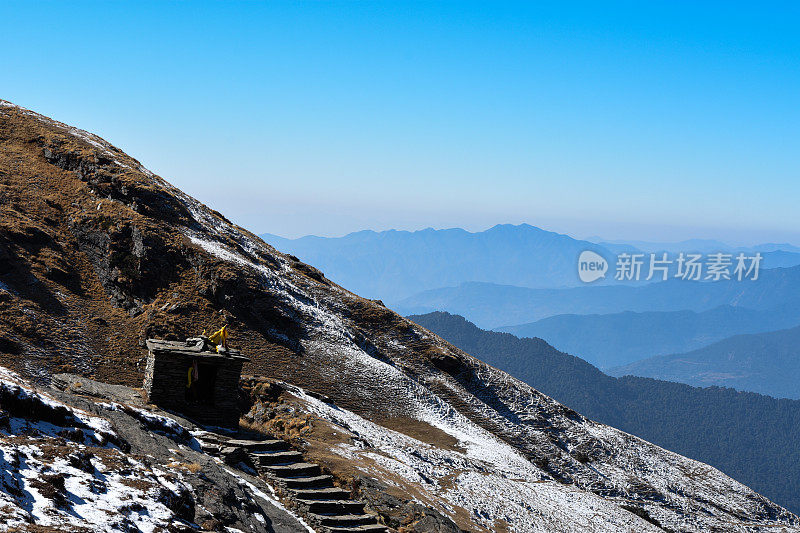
[666, 121]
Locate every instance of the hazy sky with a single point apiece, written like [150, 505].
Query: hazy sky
[666, 121]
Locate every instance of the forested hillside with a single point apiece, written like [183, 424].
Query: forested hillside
[617, 339]
[768, 363]
[753, 438]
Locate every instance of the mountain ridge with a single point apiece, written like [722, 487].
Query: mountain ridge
[492, 306]
[394, 264]
[100, 254]
[764, 362]
[619, 339]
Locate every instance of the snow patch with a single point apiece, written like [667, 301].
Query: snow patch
[11, 384]
[472, 480]
[273, 499]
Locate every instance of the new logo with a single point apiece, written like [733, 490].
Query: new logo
[591, 266]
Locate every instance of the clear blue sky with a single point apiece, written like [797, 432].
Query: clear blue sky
[665, 121]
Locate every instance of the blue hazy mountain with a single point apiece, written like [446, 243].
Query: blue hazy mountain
[392, 265]
[774, 255]
[695, 245]
[492, 306]
[780, 258]
[776, 247]
[621, 338]
[690, 245]
[767, 363]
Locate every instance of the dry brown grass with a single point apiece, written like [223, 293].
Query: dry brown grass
[188, 467]
[137, 484]
[194, 467]
[422, 431]
[291, 428]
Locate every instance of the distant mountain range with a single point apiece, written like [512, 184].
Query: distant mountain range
[621, 338]
[768, 363]
[694, 245]
[492, 306]
[392, 265]
[780, 259]
[749, 436]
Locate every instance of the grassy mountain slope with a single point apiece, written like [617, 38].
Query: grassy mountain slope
[754, 438]
[768, 363]
[99, 254]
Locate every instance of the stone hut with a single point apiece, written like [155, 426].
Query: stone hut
[191, 378]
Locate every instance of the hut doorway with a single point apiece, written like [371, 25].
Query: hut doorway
[201, 390]
[202, 381]
[206, 384]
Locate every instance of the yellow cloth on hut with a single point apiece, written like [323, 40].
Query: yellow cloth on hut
[220, 338]
[192, 375]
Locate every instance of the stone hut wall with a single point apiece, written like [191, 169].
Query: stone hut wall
[165, 384]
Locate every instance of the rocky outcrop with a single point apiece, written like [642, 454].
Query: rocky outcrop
[398, 513]
[131, 266]
[106, 466]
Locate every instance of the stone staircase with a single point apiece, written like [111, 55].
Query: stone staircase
[329, 509]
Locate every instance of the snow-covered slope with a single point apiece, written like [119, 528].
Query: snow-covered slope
[110, 467]
[557, 471]
[472, 479]
[140, 256]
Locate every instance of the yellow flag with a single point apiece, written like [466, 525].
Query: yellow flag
[220, 337]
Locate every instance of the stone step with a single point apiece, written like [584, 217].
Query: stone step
[293, 470]
[259, 445]
[277, 458]
[308, 482]
[211, 438]
[209, 447]
[331, 506]
[366, 528]
[342, 520]
[328, 493]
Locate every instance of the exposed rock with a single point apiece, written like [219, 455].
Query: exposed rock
[404, 515]
[82, 460]
[158, 482]
[89, 387]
